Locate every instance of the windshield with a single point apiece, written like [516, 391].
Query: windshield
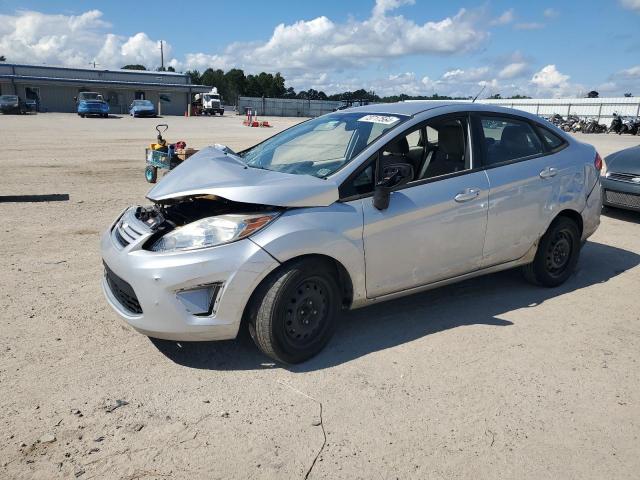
[143, 103]
[211, 97]
[9, 98]
[321, 146]
[90, 96]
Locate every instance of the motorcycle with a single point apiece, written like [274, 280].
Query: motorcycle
[616, 124]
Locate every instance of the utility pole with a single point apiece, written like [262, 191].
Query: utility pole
[94, 64]
[161, 57]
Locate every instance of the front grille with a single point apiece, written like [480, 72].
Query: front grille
[623, 199]
[129, 229]
[122, 291]
[624, 177]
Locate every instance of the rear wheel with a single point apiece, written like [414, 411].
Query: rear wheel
[151, 174]
[294, 311]
[557, 254]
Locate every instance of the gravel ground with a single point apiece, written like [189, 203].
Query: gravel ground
[490, 378]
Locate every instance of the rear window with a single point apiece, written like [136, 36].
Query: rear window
[507, 139]
[552, 140]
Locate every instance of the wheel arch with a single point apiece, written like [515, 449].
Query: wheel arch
[571, 215]
[345, 283]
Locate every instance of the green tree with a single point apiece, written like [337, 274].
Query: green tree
[235, 82]
[194, 77]
[170, 69]
[3, 58]
[134, 66]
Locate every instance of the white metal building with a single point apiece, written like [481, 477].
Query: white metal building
[54, 88]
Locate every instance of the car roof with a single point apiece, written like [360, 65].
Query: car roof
[415, 107]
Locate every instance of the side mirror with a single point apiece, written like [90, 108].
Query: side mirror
[393, 176]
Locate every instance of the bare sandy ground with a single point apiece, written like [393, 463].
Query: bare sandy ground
[490, 378]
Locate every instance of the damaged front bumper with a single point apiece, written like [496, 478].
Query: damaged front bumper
[187, 295]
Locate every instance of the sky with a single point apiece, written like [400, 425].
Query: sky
[419, 47]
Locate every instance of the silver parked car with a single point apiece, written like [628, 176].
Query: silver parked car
[344, 210]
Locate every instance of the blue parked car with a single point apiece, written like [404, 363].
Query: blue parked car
[91, 103]
[142, 108]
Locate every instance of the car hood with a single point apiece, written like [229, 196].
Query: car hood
[624, 161]
[214, 172]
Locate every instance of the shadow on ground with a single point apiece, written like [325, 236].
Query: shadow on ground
[479, 301]
[622, 214]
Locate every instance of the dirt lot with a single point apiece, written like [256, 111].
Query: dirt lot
[491, 378]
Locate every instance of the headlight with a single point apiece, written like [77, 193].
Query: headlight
[212, 231]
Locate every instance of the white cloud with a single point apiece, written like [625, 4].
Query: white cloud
[549, 77]
[73, 40]
[507, 17]
[633, 72]
[318, 44]
[321, 43]
[550, 13]
[513, 70]
[383, 6]
[550, 81]
[469, 75]
[631, 4]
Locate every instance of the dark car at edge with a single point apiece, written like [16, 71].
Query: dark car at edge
[621, 182]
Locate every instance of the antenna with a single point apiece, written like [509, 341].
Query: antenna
[482, 90]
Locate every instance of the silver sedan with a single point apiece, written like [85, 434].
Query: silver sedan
[344, 210]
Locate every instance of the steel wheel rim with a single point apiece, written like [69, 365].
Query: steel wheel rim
[559, 252]
[306, 312]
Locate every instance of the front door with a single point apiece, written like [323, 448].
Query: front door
[434, 226]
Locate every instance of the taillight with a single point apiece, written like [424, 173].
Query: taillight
[598, 162]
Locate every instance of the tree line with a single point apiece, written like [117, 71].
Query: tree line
[235, 83]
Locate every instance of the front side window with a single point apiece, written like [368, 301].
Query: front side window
[435, 149]
[321, 146]
[506, 139]
[438, 148]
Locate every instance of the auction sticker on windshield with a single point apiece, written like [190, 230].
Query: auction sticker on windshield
[384, 119]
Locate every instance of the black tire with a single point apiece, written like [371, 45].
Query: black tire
[151, 174]
[557, 254]
[82, 115]
[222, 113]
[294, 311]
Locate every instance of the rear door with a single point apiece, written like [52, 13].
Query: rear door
[523, 173]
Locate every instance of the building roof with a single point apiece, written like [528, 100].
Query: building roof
[99, 77]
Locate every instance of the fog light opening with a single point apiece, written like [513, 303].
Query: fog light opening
[201, 300]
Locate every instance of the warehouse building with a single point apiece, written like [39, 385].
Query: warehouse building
[54, 88]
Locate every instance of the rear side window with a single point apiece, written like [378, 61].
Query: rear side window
[552, 140]
[506, 139]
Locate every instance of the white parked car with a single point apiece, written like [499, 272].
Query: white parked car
[345, 210]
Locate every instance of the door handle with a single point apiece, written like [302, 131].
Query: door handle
[548, 172]
[467, 194]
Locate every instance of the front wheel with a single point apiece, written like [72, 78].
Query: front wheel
[557, 254]
[294, 311]
[151, 174]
